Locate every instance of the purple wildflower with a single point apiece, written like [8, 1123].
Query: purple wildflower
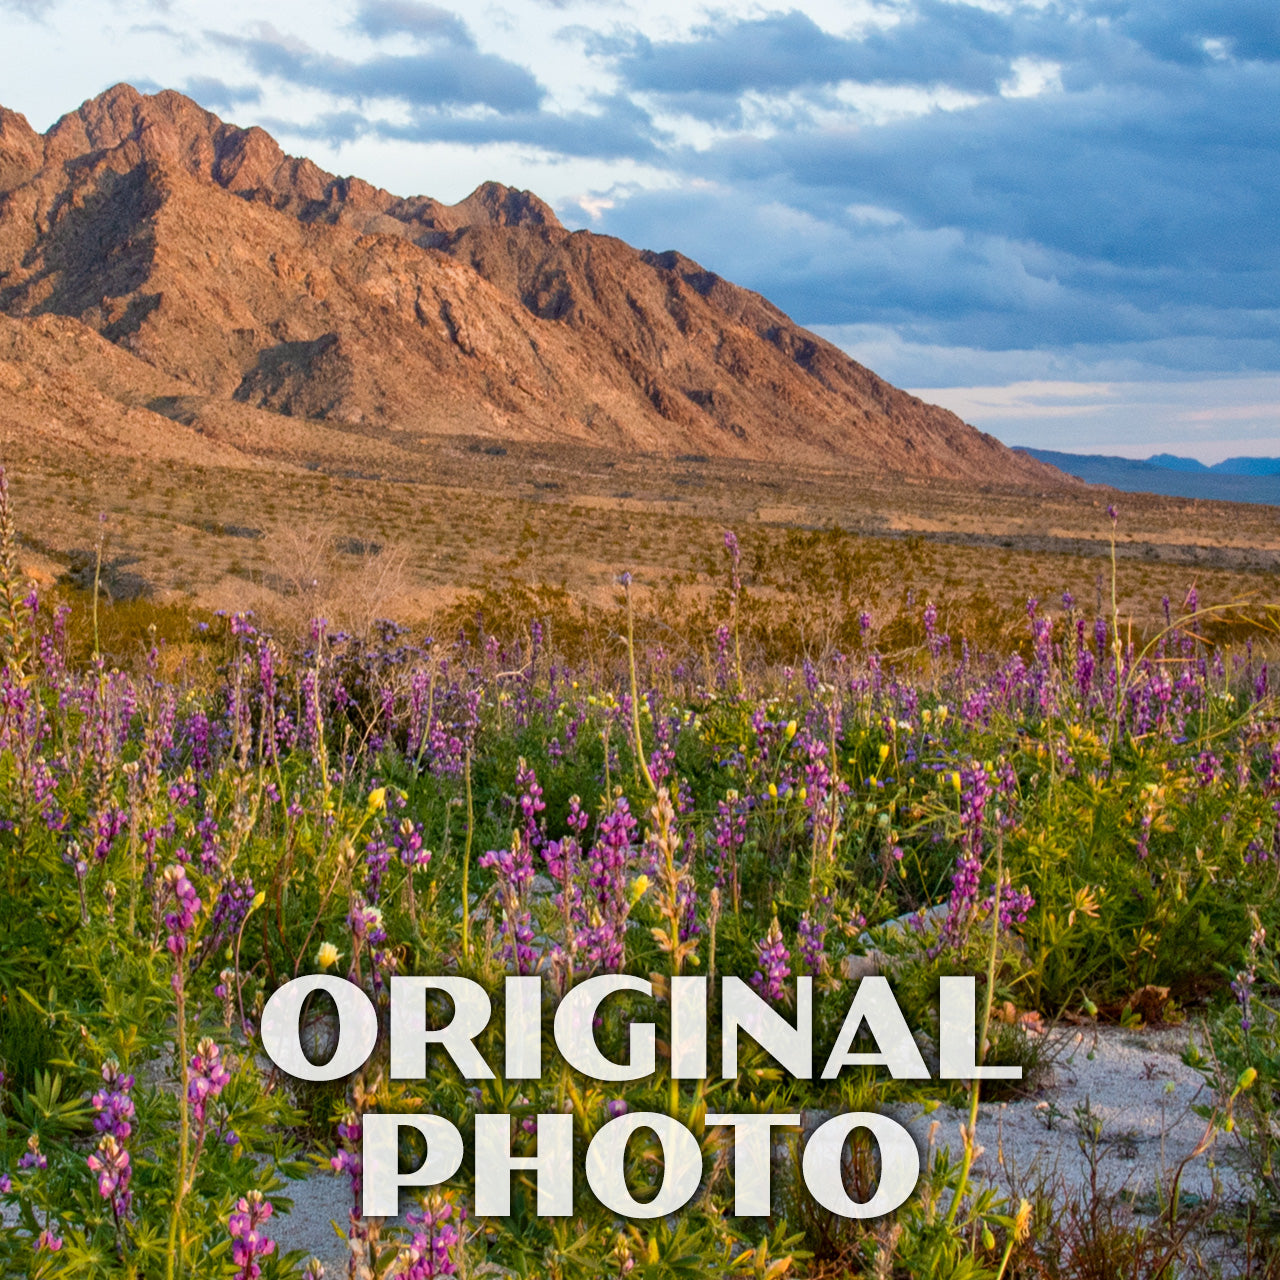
[775, 964]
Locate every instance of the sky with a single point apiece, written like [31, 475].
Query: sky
[1060, 218]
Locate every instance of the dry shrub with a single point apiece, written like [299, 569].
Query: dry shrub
[352, 583]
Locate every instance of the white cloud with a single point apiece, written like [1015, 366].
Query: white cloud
[1031, 77]
[1209, 419]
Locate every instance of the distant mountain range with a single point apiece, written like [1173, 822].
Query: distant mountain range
[1232, 480]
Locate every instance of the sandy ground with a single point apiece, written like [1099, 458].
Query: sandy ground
[1133, 1081]
[1129, 1086]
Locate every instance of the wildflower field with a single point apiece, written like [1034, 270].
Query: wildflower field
[1087, 820]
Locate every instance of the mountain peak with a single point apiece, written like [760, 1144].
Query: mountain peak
[503, 206]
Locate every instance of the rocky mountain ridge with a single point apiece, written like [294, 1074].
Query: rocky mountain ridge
[236, 273]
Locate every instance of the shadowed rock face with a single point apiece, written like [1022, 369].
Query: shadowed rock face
[240, 272]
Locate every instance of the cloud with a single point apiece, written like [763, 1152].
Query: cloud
[1110, 179]
[445, 74]
[1241, 29]
[968, 48]
[1210, 419]
[617, 130]
[37, 10]
[425, 22]
[217, 95]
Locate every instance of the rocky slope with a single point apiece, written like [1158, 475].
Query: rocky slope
[227, 271]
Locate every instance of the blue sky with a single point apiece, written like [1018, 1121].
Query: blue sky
[1059, 217]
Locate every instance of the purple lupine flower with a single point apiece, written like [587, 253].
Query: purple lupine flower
[935, 641]
[513, 872]
[248, 1243]
[531, 804]
[33, 1157]
[409, 845]
[775, 964]
[368, 930]
[111, 1163]
[975, 791]
[1242, 989]
[186, 906]
[235, 898]
[609, 861]
[113, 1104]
[1207, 768]
[1242, 983]
[348, 1158]
[730, 833]
[1015, 905]
[812, 945]
[209, 1076]
[107, 824]
[377, 858]
[431, 1250]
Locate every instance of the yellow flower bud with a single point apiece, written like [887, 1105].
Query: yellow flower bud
[327, 956]
[791, 729]
[773, 791]
[377, 799]
[638, 886]
[955, 782]
[884, 751]
[1247, 1077]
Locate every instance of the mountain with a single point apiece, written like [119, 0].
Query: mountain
[1248, 466]
[1221, 482]
[1172, 462]
[1227, 467]
[189, 272]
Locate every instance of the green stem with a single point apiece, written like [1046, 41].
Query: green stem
[97, 578]
[641, 762]
[970, 1142]
[1004, 1262]
[173, 1257]
[466, 867]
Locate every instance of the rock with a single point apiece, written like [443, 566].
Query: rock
[868, 966]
